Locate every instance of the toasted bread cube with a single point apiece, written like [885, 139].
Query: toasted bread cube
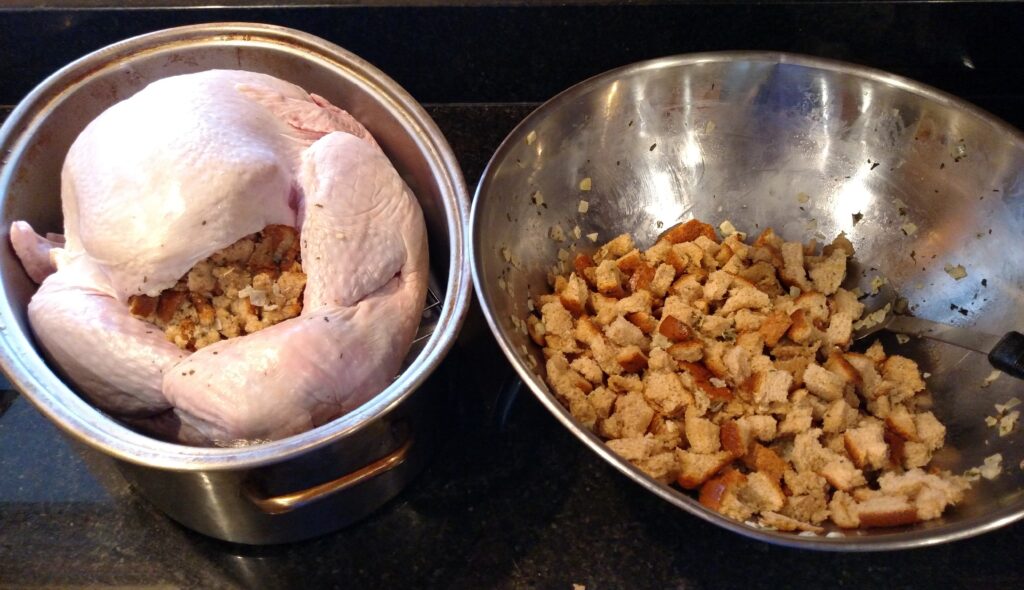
[797, 420]
[660, 361]
[721, 495]
[775, 327]
[618, 246]
[843, 510]
[698, 259]
[717, 285]
[804, 482]
[841, 474]
[639, 301]
[630, 418]
[763, 459]
[714, 326]
[643, 320]
[746, 298]
[665, 392]
[674, 329]
[737, 363]
[710, 247]
[631, 359]
[735, 437]
[629, 261]
[605, 308]
[680, 309]
[768, 237]
[688, 288]
[762, 275]
[663, 277]
[870, 380]
[713, 361]
[581, 262]
[571, 388]
[839, 417]
[793, 272]
[931, 492]
[796, 366]
[901, 421]
[807, 454]
[828, 274]
[587, 331]
[838, 365]
[646, 453]
[602, 399]
[886, 511]
[575, 295]
[930, 431]
[915, 454]
[904, 373]
[753, 342]
[625, 383]
[641, 278]
[609, 280]
[823, 383]
[815, 305]
[563, 378]
[723, 255]
[734, 266]
[558, 328]
[875, 352]
[557, 320]
[763, 428]
[678, 258]
[691, 351]
[588, 368]
[689, 231]
[866, 446]
[762, 493]
[695, 468]
[844, 301]
[770, 386]
[656, 254]
[749, 321]
[840, 330]
[623, 333]
[703, 435]
[840, 242]
[801, 330]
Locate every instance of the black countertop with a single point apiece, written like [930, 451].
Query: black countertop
[511, 499]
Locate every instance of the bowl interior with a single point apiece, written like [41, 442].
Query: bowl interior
[915, 178]
[40, 131]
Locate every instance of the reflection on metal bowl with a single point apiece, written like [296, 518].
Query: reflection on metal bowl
[310, 483]
[811, 148]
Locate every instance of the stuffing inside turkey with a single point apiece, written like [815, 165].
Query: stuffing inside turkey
[240, 261]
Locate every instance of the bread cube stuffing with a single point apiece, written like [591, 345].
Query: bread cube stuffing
[725, 368]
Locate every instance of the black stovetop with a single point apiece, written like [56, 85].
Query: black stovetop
[511, 499]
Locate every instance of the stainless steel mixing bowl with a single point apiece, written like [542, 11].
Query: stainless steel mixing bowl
[811, 148]
[306, 484]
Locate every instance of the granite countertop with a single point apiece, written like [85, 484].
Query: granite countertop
[509, 500]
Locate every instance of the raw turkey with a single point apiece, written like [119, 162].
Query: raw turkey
[183, 169]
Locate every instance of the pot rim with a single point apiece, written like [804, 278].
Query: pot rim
[898, 540]
[29, 373]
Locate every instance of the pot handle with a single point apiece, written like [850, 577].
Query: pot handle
[288, 502]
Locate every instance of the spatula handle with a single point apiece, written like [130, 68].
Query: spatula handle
[1008, 355]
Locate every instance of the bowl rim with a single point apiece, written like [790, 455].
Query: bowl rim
[29, 373]
[901, 539]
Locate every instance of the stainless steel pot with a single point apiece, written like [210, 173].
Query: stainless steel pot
[811, 148]
[307, 484]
